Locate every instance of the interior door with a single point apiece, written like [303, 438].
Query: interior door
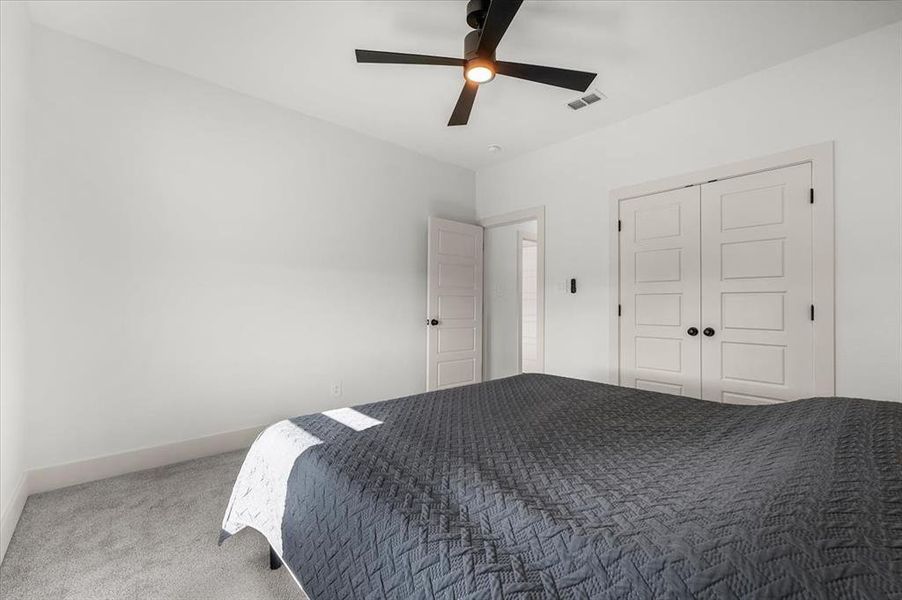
[757, 340]
[659, 292]
[454, 304]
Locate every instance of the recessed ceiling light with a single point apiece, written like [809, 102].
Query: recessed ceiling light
[494, 148]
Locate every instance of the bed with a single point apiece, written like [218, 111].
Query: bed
[539, 486]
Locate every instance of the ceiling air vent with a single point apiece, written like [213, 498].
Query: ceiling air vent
[591, 97]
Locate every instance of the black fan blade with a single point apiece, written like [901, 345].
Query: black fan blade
[464, 105]
[498, 19]
[565, 78]
[399, 58]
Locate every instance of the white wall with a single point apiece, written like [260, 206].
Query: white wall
[501, 303]
[15, 31]
[850, 92]
[200, 261]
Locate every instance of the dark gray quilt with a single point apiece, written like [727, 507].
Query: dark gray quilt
[545, 487]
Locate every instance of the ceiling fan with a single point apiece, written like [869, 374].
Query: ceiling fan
[489, 20]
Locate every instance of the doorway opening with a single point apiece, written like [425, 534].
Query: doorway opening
[527, 284]
[514, 293]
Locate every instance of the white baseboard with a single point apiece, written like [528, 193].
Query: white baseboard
[10, 516]
[59, 476]
[45, 479]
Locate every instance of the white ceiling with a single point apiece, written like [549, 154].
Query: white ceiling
[300, 55]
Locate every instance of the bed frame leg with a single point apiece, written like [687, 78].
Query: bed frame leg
[274, 561]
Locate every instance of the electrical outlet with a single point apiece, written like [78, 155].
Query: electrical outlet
[335, 389]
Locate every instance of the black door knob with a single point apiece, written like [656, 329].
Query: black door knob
[708, 331]
[433, 322]
[693, 331]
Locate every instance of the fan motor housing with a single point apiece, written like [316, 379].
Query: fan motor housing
[476, 10]
[471, 44]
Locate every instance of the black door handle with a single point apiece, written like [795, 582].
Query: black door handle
[708, 331]
[693, 331]
[432, 322]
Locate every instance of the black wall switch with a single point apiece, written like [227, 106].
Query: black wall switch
[573, 286]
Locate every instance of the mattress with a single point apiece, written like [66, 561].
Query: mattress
[538, 486]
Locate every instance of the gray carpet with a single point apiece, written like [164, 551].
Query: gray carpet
[147, 535]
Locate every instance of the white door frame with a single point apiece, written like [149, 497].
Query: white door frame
[536, 214]
[821, 158]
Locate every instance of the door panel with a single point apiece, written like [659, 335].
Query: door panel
[657, 386]
[659, 292]
[756, 281]
[731, 398]
[659, 309]
[761, 310]
[454, 299]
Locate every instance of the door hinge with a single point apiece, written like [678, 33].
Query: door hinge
[619, 224]
[812, 312]
[619, 310]
[811, 196]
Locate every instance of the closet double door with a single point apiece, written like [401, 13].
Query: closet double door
[716, 289]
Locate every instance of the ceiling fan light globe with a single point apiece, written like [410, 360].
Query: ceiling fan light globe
[479, 74]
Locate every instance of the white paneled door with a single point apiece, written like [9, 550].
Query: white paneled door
[659, 275]
[454, 304]
[716, 289]
[757, 288]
